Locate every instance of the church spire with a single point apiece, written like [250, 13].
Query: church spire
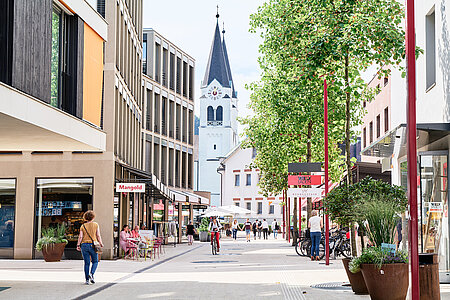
[217, 66]
[227, 62]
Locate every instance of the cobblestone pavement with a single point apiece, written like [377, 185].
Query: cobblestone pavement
[257, 270]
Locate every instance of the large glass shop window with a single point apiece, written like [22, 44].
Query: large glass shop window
[63, 201]
[7, 212]
[434, 208]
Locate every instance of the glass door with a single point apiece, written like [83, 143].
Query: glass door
[433, 218]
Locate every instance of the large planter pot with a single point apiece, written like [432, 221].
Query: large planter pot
[53, 252]
[388, 283]
[356, 279]
[203, 236]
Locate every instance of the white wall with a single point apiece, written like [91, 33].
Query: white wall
[238, 163]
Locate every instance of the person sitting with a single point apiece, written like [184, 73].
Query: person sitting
[127, 246]
[135, 233]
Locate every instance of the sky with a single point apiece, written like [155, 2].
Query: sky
[190, 24]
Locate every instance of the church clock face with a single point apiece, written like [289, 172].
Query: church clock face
[215, 92]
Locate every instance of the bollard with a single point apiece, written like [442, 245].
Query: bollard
[429, 276]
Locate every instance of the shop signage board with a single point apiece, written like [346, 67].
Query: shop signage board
[130, 187]
[304, 179]
[435, 207]
[304, 167]
[304, 193]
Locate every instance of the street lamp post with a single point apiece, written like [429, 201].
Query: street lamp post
[325, 117]
[412, 150]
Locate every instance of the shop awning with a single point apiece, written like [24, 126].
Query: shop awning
[183, 196]
[427, 133]
[154, 187]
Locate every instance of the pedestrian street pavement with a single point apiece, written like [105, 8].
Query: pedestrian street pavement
[261, 269]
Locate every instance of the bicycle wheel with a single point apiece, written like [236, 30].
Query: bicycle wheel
[306, 248]
[346, 249]
[321, 249]
[298, 247]
[214, 247]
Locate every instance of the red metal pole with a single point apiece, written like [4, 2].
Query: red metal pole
[412, 150]
[284, 218]
[325, 115]
[288, 218]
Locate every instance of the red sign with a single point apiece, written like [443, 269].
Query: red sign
[304, 179]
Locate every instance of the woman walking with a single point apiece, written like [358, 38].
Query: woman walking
[235, 228]
[315, 227]
[190, 233]
[89, 233]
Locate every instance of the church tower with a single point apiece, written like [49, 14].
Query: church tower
[218, 113]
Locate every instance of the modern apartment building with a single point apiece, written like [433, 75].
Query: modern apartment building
[168, 127]
[54, 162]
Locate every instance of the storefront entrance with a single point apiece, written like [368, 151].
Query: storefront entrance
[63, 201]
[7, 216]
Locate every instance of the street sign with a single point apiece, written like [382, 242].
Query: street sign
[304, 179]
[130, 187]
[304, 193]
[435, 207]
[304, 167]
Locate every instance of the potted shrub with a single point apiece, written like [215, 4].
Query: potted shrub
[203, 230]
[385, 270]
[346, 206]
[52, 243]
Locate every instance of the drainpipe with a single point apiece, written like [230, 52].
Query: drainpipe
[221, 169]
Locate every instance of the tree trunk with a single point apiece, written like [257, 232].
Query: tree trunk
[347, 123]
[308, 159]
[347, 144]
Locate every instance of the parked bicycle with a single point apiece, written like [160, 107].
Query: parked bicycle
[338, 243]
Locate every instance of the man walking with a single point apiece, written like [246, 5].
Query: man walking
[265, 228]
[275, 228]
[259, 229]
[255, 228]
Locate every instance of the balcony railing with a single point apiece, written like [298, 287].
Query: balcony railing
[214, 123]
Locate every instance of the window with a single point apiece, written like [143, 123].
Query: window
[386, 81]
[55, 57]
[253, 153]
[215, 147]
[386, 119]
[364, 137]
[364, 104]
[210, 113]
[172, 72]
[63, 200]
[237, 204]
[430, 50]
[178, 85]
[157, 62]
[249, 179]
[144, 55]
[237, 179]
[219, 114]
[271, 210]
[249, 205]
[7, 212]
[378, 126]
[370, 132]
[164, 67]
[259, 208]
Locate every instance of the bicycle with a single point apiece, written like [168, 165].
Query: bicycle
[214, 243]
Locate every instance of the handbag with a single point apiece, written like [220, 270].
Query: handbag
[95, 244]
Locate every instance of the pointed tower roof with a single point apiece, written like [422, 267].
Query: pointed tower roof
[227, 63]
[216, 67]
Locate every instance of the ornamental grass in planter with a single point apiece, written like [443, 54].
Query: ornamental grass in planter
[385, 272]
[52, 243]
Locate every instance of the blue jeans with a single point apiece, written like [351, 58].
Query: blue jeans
[87, 250]
[315, 241]
[234, 233]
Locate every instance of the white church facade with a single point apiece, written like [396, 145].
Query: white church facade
[218, 117]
